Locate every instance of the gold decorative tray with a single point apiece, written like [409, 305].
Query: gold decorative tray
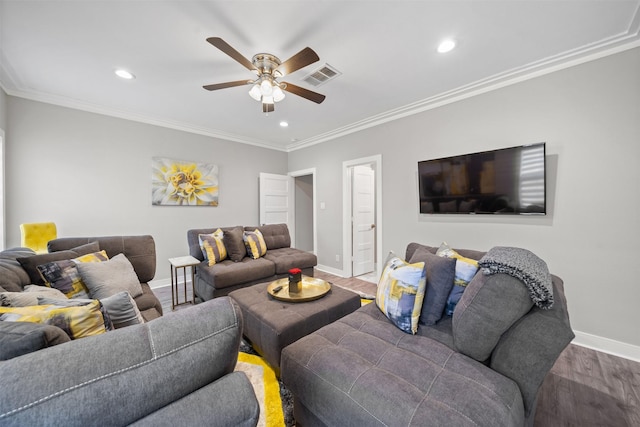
[312, 288]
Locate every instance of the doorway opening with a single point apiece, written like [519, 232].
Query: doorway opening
[362, 217]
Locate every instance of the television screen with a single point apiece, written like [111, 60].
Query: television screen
[505, 181]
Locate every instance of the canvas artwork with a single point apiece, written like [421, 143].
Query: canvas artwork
[184, 183]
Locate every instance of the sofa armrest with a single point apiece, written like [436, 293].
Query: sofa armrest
[227, 402]
[138, 369]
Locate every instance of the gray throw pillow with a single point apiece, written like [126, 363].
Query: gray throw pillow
[121, 308]
[104, 279]
[234, 243]
[440, 275]
[29, 296]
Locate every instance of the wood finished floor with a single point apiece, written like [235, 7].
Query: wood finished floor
[584, 388]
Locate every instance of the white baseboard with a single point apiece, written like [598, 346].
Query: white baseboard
[161, 283]
[607, 345]
[330, 270]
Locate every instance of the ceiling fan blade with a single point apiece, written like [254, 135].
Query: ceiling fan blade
[305, 93]
[227, 84]
[300, 60]
[224, 46]
[268, 108]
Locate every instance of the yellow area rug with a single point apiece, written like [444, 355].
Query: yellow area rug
[266, 387]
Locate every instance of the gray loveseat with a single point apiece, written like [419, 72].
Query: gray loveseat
[165, 372]
[240, 270]
[482, 366]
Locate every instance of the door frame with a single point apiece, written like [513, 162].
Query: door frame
[347, 210]
[312, 172]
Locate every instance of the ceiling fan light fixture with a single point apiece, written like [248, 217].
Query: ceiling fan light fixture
[278, 94]
[266, 87]
[255, 92]
[267, 99]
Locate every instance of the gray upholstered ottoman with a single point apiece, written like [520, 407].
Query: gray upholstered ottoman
[271, 325]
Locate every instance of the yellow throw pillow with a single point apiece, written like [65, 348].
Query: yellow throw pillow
[77, 322]
[254, 242]
[212, 246]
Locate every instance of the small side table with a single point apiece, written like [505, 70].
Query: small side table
[182, 262]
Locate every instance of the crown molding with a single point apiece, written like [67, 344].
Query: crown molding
[127, 115]
[628, 40]
[536, 69]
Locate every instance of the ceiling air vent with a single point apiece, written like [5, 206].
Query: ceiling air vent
[321, 75]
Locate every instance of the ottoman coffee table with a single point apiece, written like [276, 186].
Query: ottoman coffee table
[272, 324]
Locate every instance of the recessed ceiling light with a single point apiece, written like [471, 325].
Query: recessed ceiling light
[446, 46]
[284, 124]
[124, 74]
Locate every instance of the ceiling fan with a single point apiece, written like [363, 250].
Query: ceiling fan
[266, 88]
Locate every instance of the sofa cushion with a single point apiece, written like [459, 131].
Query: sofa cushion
[255, 244]
[104, 279]
[212, 245]
[139, 250]
[401, 292]
[77, 322]
[228, 273]
[489, 307]
[12, 276]
[440, 273]
[361, 370]
[276, 236]
[18, 338]
[29, 296]
[288, 258]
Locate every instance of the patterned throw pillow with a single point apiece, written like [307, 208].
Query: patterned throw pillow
[466, 268]
[212, 246]
[64, 276]
[120, 308]
[77, 322]
[254, 242]
[401, 292]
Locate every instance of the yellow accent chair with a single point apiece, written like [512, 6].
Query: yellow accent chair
[36, 235]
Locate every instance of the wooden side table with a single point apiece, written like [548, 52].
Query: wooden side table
[182, 262]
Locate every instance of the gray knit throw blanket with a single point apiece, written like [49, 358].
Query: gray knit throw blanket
[524, 265]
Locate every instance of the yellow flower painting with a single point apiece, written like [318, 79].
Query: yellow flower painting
[182, 183]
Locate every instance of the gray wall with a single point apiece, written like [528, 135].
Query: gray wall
[91, 175]
[304, 212]
[3, 110]
[589, 116]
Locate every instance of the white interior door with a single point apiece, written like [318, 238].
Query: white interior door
[363, 225]
[277, 201]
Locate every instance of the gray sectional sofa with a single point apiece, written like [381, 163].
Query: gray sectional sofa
[165, 372]
[482, 366]
[240, 270]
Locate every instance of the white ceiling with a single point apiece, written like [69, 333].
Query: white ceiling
[65, 52]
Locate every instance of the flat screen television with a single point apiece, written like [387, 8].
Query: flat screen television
[505, 181]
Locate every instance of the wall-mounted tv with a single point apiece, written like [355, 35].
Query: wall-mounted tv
[505, 181]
